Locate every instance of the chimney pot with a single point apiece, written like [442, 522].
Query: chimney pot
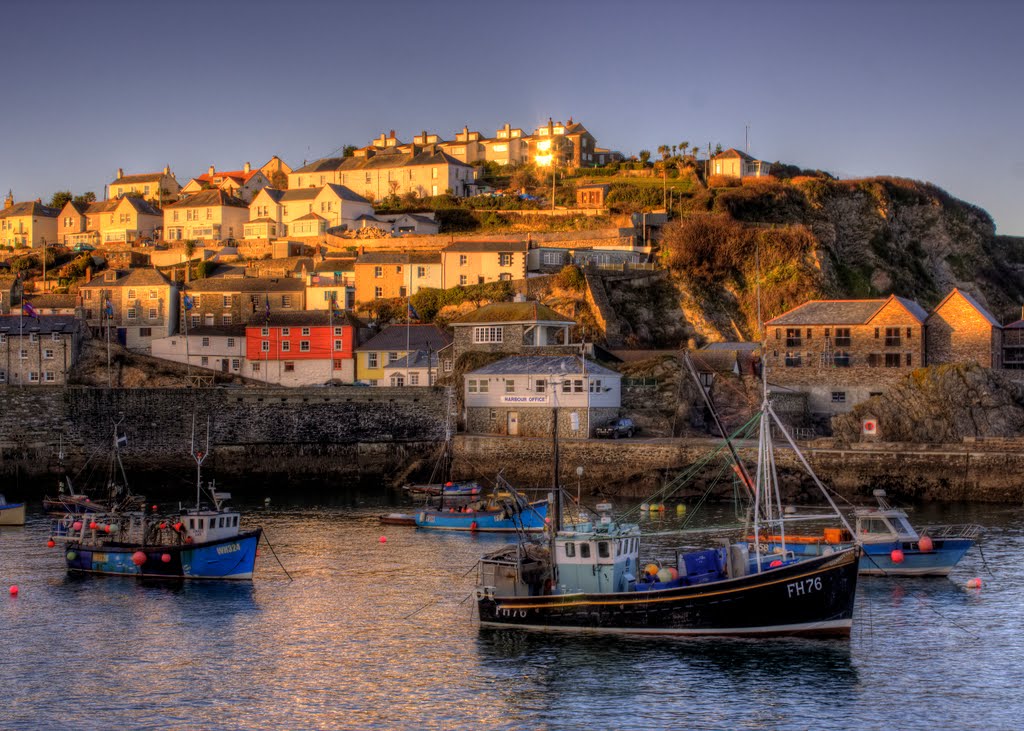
[120, 172]
[167, 169]
[210, 171]
[246, 168]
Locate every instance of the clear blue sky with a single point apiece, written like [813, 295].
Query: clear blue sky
[931, 90]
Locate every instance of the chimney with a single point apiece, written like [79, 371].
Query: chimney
[9, 200]
[120, 174]
[246, 168]
[88, 274]
[210, 171]
[391, 134]
[167, 170]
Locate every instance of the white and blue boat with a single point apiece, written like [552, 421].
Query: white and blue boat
[889, 543]
[504, 511]
[11, 513]
[204, 542]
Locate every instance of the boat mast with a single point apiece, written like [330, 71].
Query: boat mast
[556, 502]
[200, 457]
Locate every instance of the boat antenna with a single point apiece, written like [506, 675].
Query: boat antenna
[200, 457]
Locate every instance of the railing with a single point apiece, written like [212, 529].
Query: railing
[963, 530]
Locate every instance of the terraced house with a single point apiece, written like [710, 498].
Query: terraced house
[840, 352]
[304, 211]
[477, 262]
[126, 220]
[137, 305]
[155, 187]
[29, 224]
[244, 183]
[387, 274]
[227, 301]
[210, 215]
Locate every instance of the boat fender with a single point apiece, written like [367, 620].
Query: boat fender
[473, 526]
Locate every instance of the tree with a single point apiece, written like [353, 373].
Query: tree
[645, 155]
[718, 148]
[190, 248]
[695, 149]
[348, 150]
[86, 198]
[684, 146]
[60, 199]
[279, 180]
[663, 151]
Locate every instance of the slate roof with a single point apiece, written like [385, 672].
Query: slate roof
[335, 265]
[399, 257]
[247, 284]
[142, 206]
[140, 178]
[487, 246]
[843, 312]
[29, 208]
[393, 337]
[224, 331]
[215, 197]
[513, 312]
[732, 345]
[131, 278]
[51, 301]
[380, 160]
[311, 217]
[44, 324]
[417, 359]
[102, 206]
[542, 365]
[972, 302]
[306, 318]
[306, 194]
[733, 152]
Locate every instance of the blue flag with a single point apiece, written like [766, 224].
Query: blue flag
[110, 308]
[189, 303]
[413, 315]
[29, 310]
[268, 306]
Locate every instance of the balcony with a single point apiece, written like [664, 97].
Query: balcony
[794, 342]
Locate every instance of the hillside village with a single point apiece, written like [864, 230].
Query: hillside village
[528, 271]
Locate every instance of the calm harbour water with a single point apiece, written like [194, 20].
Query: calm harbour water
[382, 635]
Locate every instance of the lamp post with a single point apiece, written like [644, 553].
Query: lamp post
[579, 481]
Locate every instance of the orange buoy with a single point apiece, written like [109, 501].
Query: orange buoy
[50, 543]
[14, 590]
[138, 558]
[651, 569]
[925, 544]
[383, 539]
[188, 539]
[896, 555]
[974, 583]
[166, 558]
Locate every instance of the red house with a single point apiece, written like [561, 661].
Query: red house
[302, 348]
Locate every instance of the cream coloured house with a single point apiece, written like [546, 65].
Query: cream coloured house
[467, 146]
[138, 305]
[156, 187]
[211, 215]
[120, 220]
[376, 174]
[304, 211]
[476, 262]
[29, 224]
[507, 147]
[244, 183]
[736, 164]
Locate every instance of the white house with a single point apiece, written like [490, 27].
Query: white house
[516, 396]
[220, 349]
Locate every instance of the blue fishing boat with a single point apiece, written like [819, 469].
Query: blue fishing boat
[11, 513]
[503, 511]
[447, 489]
[204, 542]
[890, 544]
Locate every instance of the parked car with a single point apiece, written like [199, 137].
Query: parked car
[617, 428]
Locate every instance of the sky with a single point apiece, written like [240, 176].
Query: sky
[927, 89]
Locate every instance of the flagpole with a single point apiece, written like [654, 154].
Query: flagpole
[330, 337]
[408, 317]
[188, 358]
[21, 340]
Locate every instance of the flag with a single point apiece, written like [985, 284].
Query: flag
[122, 441]
[110, 308]
[29, 310]
[189, 303]
[413, 315]
[268, 307]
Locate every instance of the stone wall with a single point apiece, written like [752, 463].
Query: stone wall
[534, 421]
[635, 468]
[958, 333]
[271, 430]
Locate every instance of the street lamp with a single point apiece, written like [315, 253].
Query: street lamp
[579, 480]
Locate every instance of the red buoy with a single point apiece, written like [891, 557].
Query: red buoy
[166, 558]
[163, 526]
[188, 539]
[77, 525]
[106, 529]
[14, 590]
[177, 526]
[775, 564]
[154, 508]
[50, 543]
[925, 544]
[473, 526]
[974, 583]
[138, 558]
[383, 539]
[93, 525]
[896, 555]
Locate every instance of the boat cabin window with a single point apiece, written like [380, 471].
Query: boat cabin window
[570, 550]
[584, 550]
[875, 525]
[602, 549]
[221, 522]
[234, 522]
[191, 522]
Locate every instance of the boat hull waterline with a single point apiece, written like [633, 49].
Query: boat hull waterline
[876, 558]
[231, 558]
[809, 598]
[531, 520]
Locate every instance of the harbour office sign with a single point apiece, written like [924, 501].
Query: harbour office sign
[511, 399]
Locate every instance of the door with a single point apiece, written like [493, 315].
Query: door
[513, 423]
[122, 336]
[224, 365]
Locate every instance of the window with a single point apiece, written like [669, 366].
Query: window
[463, 279]
[286, 331]
[286, 346]
[378, 293]
[305, 331]
[402, 291]
[595, 385]
[48, 354]
[792, 359]
[793, 337]
[397, 380]
[304, 346]
[378, 272]
[49, 377]
[337, 345]
[152, 294]
[132, 313]
[488, 334]
[584, 550]
[540, 385]
[505, 260]
[53, 336]
[842, 337]
[265, 346]
[235, 364]
[204, 361]
[414, 379]
[152, 313]
[265, 332]
[892, 337]
[909, 359]
[463, 260]
[841, 359]
[87, 294]
[225, 319]
[226, 300]
[484, 385]
[910, 332]
[289, 366]
[254, 300]
[131, 294]
[510, 385]
[505, 277]
[570, 550]
[892, 360]
[839, 397]
[231, 342]
[421, 272]
[255, 367]
[286, 301]
[602, 549]
[567, 386]
[577, 385]
[33, 377]
[206, 342]
[196, 320]
[448, 365]
[876, 333]
[471, 386]
[392, 357]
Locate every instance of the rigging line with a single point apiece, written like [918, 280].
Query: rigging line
[428, 604]
[271, 546]
[984, 562]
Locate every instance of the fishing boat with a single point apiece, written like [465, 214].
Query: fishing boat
[447, 489]
[398, 519]
[589, 578]
[11, 513]
[201, 542]
[890, 544]
[503, 511]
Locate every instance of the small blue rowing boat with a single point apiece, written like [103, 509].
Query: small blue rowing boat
[504, 511]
